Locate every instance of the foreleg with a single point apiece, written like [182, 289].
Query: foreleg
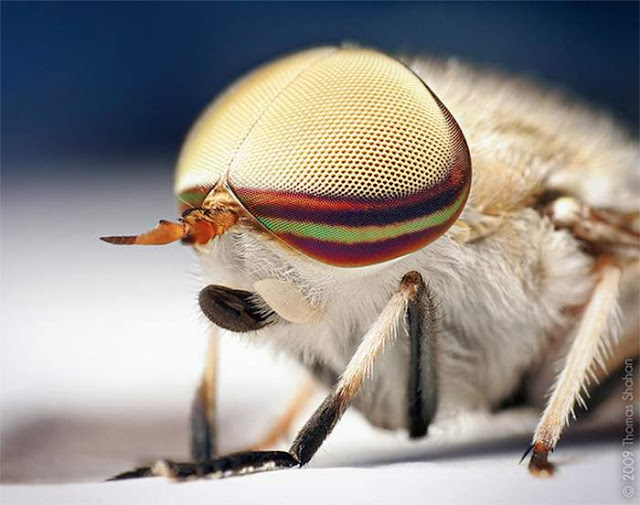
[322, 422]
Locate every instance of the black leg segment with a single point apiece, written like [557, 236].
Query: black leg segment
[423, 381]
[318, 428]
[203, 434]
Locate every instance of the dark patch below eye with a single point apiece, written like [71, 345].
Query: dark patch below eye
[234, 309]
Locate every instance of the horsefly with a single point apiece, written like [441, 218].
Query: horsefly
[330, 201]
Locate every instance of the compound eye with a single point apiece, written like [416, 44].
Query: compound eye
[354, 162]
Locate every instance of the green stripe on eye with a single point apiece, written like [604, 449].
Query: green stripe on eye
[357, 234]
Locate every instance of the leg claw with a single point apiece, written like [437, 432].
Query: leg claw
[539, 465]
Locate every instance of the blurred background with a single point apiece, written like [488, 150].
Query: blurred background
[102, 347]
[122, 79]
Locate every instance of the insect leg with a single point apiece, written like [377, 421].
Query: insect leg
[203, 408]
[381, 334]
[234, 310]
[423, 380]
[589, 346]
[315, 431]
[605, 229]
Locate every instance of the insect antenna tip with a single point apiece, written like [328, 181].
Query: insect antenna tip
[120, 240]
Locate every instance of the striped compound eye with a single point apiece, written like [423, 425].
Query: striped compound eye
[342, 153]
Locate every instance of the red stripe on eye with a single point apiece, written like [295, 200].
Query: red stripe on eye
[347, 211]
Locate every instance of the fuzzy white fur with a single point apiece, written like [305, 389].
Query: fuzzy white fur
[503, 298]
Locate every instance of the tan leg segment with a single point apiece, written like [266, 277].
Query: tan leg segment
[381, 334]
[590, 346]
[599, 227]
[283, 425]
[210, 377]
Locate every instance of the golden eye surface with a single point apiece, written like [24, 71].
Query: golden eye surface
[217, 134]
[353, 161]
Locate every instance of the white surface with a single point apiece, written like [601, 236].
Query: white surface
[485, 480]
[102, 348]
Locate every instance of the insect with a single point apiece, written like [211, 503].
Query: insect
[330, 200]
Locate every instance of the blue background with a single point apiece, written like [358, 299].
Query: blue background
[116, 80]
